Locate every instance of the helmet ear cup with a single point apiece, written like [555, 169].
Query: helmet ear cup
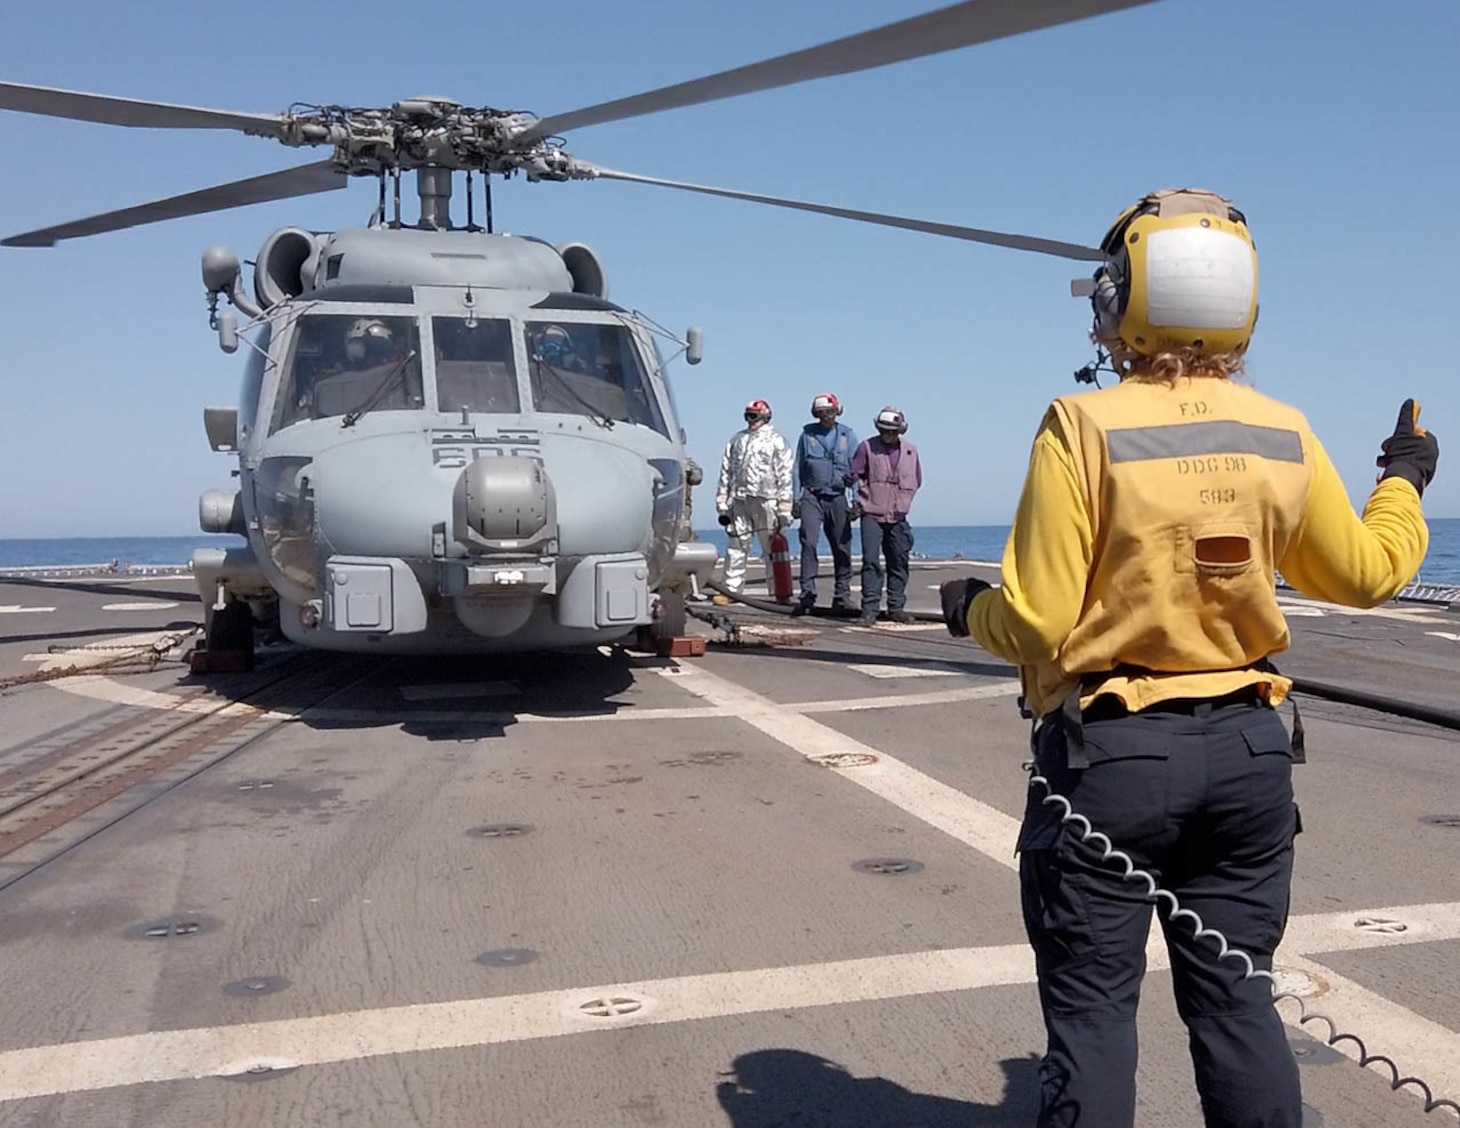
[1108, 303]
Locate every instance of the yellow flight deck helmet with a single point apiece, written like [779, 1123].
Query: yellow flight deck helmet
[1182, 274]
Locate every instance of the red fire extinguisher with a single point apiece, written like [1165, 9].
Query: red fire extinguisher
[780, 567]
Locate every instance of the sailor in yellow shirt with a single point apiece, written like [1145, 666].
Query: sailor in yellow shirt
[1138, 599]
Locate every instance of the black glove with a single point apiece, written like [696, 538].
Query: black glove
[956, 596]
[725, 520]
[1411, 453]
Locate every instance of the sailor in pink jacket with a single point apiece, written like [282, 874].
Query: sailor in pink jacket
[887, 474]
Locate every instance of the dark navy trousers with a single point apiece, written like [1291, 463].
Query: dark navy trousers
[1199, 794]
[828, 512]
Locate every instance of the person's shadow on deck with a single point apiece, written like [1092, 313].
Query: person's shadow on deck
[794, 1089]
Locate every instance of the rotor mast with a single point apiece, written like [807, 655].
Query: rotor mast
[433, 186]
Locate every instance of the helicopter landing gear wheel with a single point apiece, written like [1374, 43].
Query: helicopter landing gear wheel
[228, 647]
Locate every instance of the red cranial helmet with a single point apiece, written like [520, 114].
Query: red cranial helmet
[757, 411]
[825, 404]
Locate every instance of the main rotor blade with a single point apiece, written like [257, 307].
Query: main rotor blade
[948, 230]
[946, 29]
[305, 180]
[108, 110]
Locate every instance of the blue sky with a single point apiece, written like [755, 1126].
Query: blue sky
[1331, 123]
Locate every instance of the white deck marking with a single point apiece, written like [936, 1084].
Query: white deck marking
[902, 627]
[100, 688]
[910, 700]
[1444, 634]
[154, 605]
[1334, 932]
[1403, 614]
[180, 1054]
[929, 670]
[17, 609]
[460, 689]
[988, 830]
[1422, 1047]
[629, 713]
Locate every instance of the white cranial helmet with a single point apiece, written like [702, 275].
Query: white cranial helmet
[891, 419]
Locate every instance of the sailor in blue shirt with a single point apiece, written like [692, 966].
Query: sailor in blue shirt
[823, 474]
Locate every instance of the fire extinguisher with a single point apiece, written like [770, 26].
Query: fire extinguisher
[780, 567]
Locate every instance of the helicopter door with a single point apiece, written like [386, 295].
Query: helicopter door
[474, 366]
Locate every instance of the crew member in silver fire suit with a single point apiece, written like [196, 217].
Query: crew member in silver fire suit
[753, 497]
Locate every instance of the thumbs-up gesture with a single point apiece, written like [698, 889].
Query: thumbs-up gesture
[1411, 453]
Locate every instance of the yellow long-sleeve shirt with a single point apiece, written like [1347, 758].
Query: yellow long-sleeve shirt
[1335, 556]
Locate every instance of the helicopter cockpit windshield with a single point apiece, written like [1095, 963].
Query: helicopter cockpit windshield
[343, 364]
[585, 368]
[474, 367]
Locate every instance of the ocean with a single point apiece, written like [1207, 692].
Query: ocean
[932, 542]
[986, 542]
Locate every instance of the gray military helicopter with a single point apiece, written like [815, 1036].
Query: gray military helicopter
[448, 439]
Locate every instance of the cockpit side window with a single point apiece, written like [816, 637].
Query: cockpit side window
[341, 364]
[580, 368]
[474, 366]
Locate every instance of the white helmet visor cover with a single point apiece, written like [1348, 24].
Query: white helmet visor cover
[1198, 278]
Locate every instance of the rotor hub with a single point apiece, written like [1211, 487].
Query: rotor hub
[433, 132]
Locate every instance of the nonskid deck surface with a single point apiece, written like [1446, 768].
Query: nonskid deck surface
[770, 886]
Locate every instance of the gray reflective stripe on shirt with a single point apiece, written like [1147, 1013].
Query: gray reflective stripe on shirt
[1188, 440]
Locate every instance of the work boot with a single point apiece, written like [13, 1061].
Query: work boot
[868, 617]
[839, 606]
[901, 616]
[804, 605]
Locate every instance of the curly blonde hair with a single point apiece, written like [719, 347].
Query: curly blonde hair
[1168, 367]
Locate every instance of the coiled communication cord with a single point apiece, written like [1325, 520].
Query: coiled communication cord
[1154, 892]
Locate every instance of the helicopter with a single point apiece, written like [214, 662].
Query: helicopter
[451, 440]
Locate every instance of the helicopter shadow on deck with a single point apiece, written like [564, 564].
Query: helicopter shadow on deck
[459, 698]
[783, 1088]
